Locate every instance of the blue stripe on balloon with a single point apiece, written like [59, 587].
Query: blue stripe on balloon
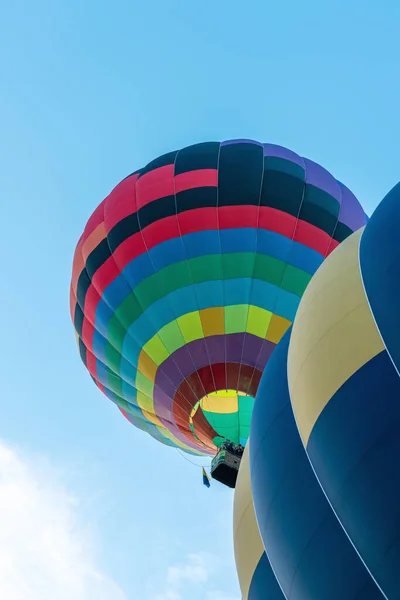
[195, 243]
[129, 393]
[167, 253]
[236, 294]
[209, 294]
[101, 373]
[103, 316]
[286, 305]
[238, 240]
[137, 270]
[99, 345]
[273, 244]
[379, 264]
[355, 447]
[264, 583]
[265, 295]
[295, 520]
[127, 371]
[116, 292]
[152, 429]
[198, 244]
[305, 258]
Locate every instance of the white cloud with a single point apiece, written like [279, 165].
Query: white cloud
[44, 551]
[184, 579]
[194, 571]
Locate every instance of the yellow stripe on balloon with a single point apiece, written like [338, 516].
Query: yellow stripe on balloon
[258, 321]
[222, 403]
[205, 323]
[213, 321]
[333, 335]
[147, 366]
[247, 542]
[190, 326]
[146, 404]
[278, 326]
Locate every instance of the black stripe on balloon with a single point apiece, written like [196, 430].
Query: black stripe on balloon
[319, 217]
[97, 257]
[78, 319]
[157, 163]
[282, 191]
[205, 197]
[123, 230]
[132, 174]
[82, 287]
[82, 352]
[320, 209]
[240, 171]
[197, 157]
[342, 232]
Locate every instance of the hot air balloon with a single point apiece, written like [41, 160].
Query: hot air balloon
[189, 273]
[343, 372]
[308, 550]
[256, 577]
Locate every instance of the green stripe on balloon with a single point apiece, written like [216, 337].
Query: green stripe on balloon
[205, 268]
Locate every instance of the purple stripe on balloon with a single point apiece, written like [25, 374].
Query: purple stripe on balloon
[240, 348]
[246, 349]
[321, 178]
[351, 212]
[280, 152]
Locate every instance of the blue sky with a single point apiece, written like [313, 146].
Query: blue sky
[90, 91]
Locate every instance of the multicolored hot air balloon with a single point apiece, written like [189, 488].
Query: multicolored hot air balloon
[189, 273]
[343, 372]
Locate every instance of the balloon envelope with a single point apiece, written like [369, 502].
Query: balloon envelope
[188, 274]
[345, 388]
[308, 550]
[256, 577]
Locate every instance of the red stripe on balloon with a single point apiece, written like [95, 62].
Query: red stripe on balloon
[312, 236]
[95, 219]
[154, 185]
[196, 220]
[121, 202]
[195, 179]
[223, 376]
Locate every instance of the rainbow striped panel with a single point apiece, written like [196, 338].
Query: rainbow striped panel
[188, 274]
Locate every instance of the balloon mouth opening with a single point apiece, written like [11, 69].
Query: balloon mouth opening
[224, 409]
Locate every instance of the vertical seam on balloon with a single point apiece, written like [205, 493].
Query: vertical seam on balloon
[173, 313]
[164, 421]
[287, 261]
[103, 364]
[106, 367]
[196, 302]
[338, 218]
[222, 267]
[253, 271]
[192, 283]
[143, 311]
